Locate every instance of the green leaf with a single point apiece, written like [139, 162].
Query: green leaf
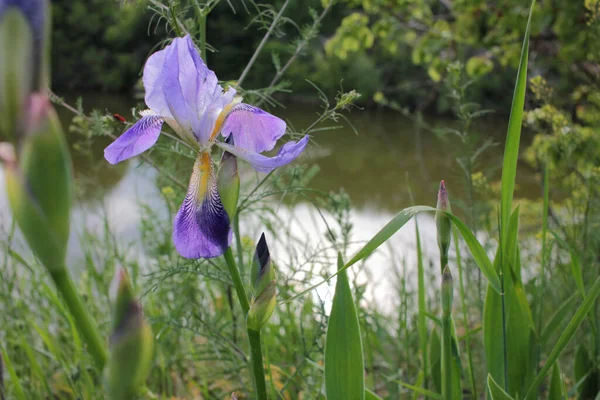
[421, 391]
[421, 321]
[585, 374]
[556, 320]
[566, 336]
[575, 263]
[557, 386]
[435, 360]
[344, 366]
[513, 138]
[16, 382]
[369, 395]
[478, 253]
[496, 392]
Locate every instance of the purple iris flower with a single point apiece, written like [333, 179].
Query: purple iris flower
[184, 93]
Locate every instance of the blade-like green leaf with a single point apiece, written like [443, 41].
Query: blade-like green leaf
[557, 386]
[344, 367]
[421, 391]
[496, 392]
[435, 360]
[14, 379]
[575, 263]
[556, 320]
[421, 321]
[566, 336]
[478, 253]
[369, 395]
[513, 138]
[585, 374]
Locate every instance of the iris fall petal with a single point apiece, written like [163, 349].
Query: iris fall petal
[202, 228]
[261, 163]
[137, 139]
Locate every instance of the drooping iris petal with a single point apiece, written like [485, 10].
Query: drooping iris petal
[261, 163]
[137, 139]
[202, 227]
[252, 128]
[180, 87]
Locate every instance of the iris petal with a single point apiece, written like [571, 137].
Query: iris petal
[137, 139]
[179, 86]
[202, 227]
[252, 128]
[286, 154]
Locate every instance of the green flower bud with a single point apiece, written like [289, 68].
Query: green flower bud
[262, 308]
[131, 343]
[447, 292]
[264, 287]
[24, 30]
[261, 273]
[443, 224]
[229, 181]
[38, 180]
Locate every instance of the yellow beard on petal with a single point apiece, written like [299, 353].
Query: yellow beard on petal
[202, 173]
[222, 117]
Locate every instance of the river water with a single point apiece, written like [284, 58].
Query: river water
[380, 161]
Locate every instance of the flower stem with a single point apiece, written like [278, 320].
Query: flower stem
[447, 357]
[84, 322]
[257, 364]
[237, 281]
[253, 336]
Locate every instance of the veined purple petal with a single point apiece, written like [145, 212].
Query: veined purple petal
[202, 227]
[180, 86]
[252, 128]
[286, 154]
[137, 139]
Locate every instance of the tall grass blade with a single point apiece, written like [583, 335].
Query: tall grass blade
[14, 379]
[585, 374]
[420, 390]
[496, 392]
[566, 336]
[421, 319]
[435, 360]
[557, 385]
[513, 138]
[575, 263]
[344, 365]
[369, 395]
[556, 320]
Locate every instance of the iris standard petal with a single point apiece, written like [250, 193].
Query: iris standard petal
[252, 128]
[202, 227]
[261, 163]
[180, 87]
[137, 139]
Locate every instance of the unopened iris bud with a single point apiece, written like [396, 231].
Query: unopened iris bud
[262, 272]
[262, 275]
[131, 342]
[447, 292]
[443, 224]
[229, 181]
[38, 179]
[24, 30]
[262, 308]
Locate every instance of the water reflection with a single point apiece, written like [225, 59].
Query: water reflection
[371, 166]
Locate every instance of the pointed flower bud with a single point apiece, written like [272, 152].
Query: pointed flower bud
[261, 273]
[264, 286]
[447, 292]
[38, 180]
[229, 181]
[24, 30]
[131, 343]
[443, 224]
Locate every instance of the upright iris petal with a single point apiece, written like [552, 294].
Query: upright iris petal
[202, 227]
